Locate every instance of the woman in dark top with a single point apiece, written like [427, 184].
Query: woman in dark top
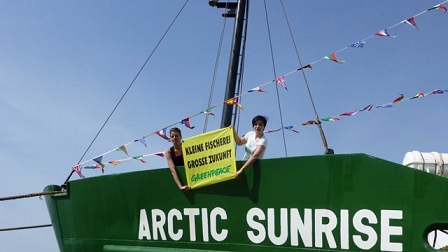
[174, 156]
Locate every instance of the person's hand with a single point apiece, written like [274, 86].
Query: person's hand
[184, 188]
[238, 173]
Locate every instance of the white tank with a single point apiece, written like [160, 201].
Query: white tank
[431, 162]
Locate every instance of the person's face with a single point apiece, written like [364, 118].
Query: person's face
[175, 137]
[259, 126]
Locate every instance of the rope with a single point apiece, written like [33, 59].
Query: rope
[319, 125]
[25, 227]
[275, 75]
[129, 87]
[29, 195]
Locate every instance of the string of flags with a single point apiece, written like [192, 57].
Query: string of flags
[98, 160]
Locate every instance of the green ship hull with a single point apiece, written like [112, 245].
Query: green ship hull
[349, 202]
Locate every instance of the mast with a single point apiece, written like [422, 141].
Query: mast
[235, 10]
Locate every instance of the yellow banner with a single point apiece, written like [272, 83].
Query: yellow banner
[209, 158]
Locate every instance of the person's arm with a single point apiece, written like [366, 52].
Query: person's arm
[238, 140]
[176, 178]
[254, 157]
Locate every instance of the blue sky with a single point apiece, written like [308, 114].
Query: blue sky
[65, 64]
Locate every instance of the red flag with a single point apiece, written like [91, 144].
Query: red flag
[399, 99]
[281, 81]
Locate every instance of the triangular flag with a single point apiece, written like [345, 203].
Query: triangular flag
[439, 7]
[98, 160]
[310, 122]
[160, 154]
[384, 33]
[411, 21]
[115, 162]
[162, 133]
[123, 149]
[77, 169]
[281, 81]
[437, 91]
[419, 94]
[305, 67]
[140, 158]
[142, 141]
[186, 122]
[291, 129]
[332, 57]
[271, 131]
[367, 108]
[358, 44]
[257, 89]
[232, 101]
[331, 119]
[208, 112]
[399, 99]
[384, 106]
[349, 113]
[92, 167]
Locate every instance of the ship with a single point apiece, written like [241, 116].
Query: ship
[326, 202]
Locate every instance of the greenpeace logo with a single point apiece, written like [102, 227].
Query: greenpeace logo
[309, 228]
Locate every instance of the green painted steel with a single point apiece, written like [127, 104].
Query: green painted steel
[317, 203]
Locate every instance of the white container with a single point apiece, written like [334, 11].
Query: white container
[431, 162]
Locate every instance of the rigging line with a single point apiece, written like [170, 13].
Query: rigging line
[215, 71]
[25, 227]
[319, 125]
[130, 85]
[275, 76]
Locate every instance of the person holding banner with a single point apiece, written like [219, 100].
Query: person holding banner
[174, 156]
[255, 142]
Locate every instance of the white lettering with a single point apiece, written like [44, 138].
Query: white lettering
[387, 231]
[205, 224]
[191, 213]
[158, 223]
[372, 237]
[322, 228]
[255, 225]
[305, 227]
[143, 227]
[344, 229]
[171, 214]
[213, 226]
[281, 239]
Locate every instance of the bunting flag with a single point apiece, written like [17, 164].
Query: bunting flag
[160, 154]
[358, 44]
[142, 141]
[281, 81]
[115, 162]
[367, 108]
[92, 167]
[77, 169]
[98, 161]
[140, 158]
[162, 133]
[330, 119]
[349, 113]
[305, 67]
[419, 94]
[437, 91]
[186, 122]
[291, 129]
[384, 106]
[399, 99]
[438, 7]
[208, 112]
[411, 21]
[257, 89]
[384, 33]
[332, 57]
[310, 122]
[232, 101]
[123, 149]
[271, 131]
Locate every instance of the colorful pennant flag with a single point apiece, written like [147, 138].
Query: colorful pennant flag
[384, 106]
[438, 7]
[310, 122]
[281, 81]
[358, 44]
[437, 91]
[123, 149]
[411, 21]
[208, 112]
[232, 101]
[399, 99]
[291, 129]
[384, 33]
[140, 158]
[331, 119]
[162, 133]
[160, 154]
[142, 141]
[305, 67]
[271, 131]
[332, 57]
[98, 161]
[115, 162]
[92, 167]
[367, 108]
[186, 122]
[420, 94]
[349, 113]
[77, 169]
[257, 89]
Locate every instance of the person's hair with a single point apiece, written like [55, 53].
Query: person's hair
[175, 129]
[264, 119]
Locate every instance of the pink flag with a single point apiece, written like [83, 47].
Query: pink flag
[281, 81]
[77, 169]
